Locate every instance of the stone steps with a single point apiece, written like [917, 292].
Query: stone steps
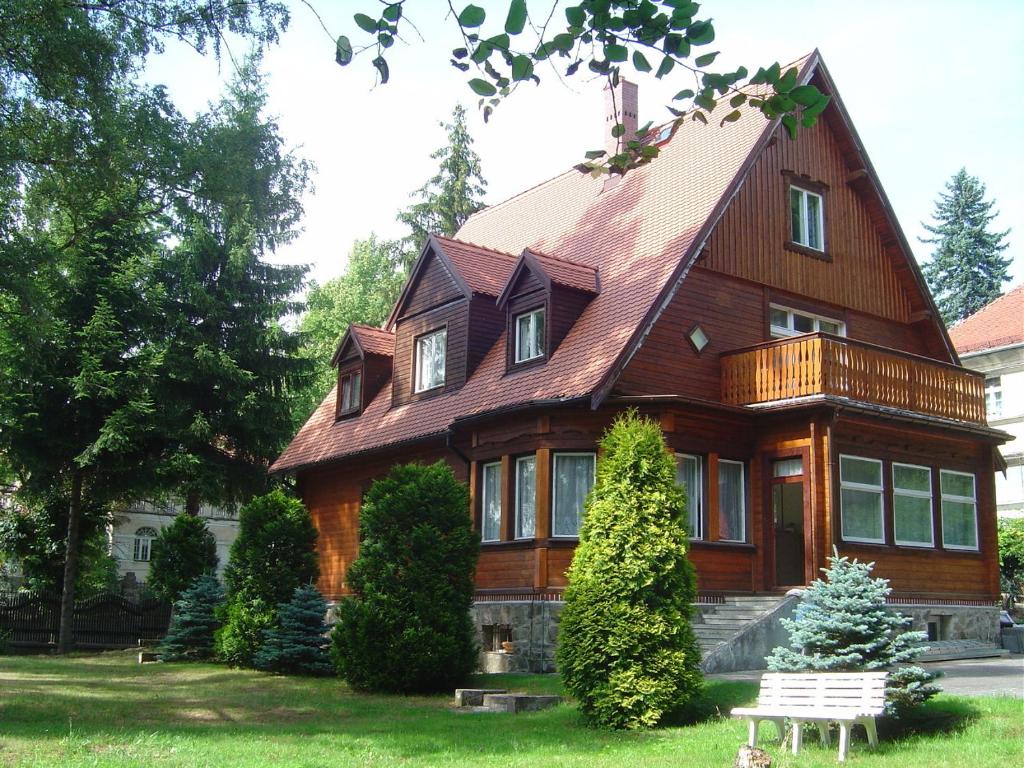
[500, 700]
[717, 623]
[951, 650]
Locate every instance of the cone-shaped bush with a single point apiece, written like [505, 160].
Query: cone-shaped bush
[843, 625]
[190, 636]
[184, 551]
[298, 644]
[407, 626]
[626, 649]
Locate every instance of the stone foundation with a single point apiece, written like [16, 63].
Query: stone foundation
[531, 625]
[955, 622]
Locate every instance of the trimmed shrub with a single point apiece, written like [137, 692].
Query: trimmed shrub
[407, 626]
[182, 552]
[194, 622]
[273, 555]
[626, 650]
[298, 644]
[843, 625]
[1011, 557]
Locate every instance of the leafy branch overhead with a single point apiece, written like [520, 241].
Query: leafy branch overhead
[599, 37]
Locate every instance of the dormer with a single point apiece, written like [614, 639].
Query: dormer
[543, 298]
[364, 362]
[445, 319]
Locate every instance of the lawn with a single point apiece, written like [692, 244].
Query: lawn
[107, 710]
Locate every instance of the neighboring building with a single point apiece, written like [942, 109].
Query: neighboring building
[134, 529]
[991, 341]
[753, 294]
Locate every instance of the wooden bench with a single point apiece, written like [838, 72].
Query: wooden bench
[848, 698]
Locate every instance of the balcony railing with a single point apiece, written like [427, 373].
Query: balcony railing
[822, 364]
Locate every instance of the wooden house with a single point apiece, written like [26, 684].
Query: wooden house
[753, 293]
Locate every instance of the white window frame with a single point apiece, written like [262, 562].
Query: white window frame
[485, 501]
[782, 332]
[897, 492]
[354, 395]
[803, 237]
[418, 384]
[533, 534]
[994, 397]
[973, 500]
[699, 534]
[554, 488]
[534, 314]
[850, 485]
[743, 498]
[143, 544]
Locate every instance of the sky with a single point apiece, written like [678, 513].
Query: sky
[932, 86]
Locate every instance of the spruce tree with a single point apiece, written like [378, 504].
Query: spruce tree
[843, 625]
[626, 650]
[297, 645]
[966, 271]
[182, 552]
[194, 623]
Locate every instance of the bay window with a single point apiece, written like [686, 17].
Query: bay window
[732, 501]
[573, 477]
[689, 475]
[526, 497]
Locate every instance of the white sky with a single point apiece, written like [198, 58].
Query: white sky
[931, 86]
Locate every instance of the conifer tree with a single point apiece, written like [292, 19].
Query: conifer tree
[626, 649]
[181, 553]
[966, 271]
[194, 623]
[297, 645]
[844, 625]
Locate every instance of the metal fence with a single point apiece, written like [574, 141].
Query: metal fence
[104, 621]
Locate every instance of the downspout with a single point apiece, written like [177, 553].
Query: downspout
[449, 443]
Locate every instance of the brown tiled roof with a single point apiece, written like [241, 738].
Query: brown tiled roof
[998, 324]
[571, 274]
[639, 235]
[374, 341]
[483, 269]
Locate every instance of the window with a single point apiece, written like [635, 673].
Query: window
[351, 392]
[732, 501]
[959, 510]
[490, 524]
[144, 544]
[860, 503]
[994, 397]
[807, 214]
[698, 338]
[784, 321]
[526, 497]
[788, 467]
[573, 479]
[912, 505]
[430, 353]
[690, 475]
[529, 336]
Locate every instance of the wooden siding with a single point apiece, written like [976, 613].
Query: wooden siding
[376, 373]
[455, 317]
[486, 323]
[565, 307]
[433, 287]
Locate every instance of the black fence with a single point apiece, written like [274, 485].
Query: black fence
[104, 621]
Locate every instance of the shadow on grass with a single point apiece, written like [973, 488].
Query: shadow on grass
[934, 718]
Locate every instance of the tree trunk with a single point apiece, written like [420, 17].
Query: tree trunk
[65, 640]
[192, 502]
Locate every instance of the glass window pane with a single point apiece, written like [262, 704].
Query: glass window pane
[911, 478]
[828, 326]
[346, 393]
[779, 317]
[958, 524]
[802, 323]
[814, 239]
[574, 477]
[731, 501]
[357, 390]
[862, 514]
[796, 213]
[956, 484]
[788, 467]
[688, 475]
[526, 493]
[912, 519]
[491, 503]
[863, 471]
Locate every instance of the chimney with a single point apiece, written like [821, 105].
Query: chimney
[621, 109]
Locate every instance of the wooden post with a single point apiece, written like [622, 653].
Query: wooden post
[714, 515]
[543, 503]
[474, 496]
[508, 510]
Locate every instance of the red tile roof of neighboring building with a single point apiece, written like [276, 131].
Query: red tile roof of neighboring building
[374, 341]
[639, 235]
[999, 324]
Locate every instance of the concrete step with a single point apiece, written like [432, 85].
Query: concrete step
[518, 702]
[952, 650]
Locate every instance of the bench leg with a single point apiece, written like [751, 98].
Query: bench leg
[823, 734]
[869, 726]
[752, 724]
[844, 739]
[780, 726]
[798, 733]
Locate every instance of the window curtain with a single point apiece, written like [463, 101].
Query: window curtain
[574, 477]
[912, 504]
[731, 502]
[492, 503]
[526, 493]
[688, 476]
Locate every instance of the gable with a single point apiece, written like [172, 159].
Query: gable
[432, 286]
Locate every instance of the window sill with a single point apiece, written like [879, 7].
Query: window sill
[804, 250]
[561, 542]
[908, 548]
[736, 545]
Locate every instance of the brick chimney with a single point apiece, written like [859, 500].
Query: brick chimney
[621, 109]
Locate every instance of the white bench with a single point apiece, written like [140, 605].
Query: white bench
[848, 698]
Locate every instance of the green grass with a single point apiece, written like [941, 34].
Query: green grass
[106, 710]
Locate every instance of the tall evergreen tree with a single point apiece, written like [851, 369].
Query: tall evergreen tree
[181, 553]
[452, 194]
[967, 270]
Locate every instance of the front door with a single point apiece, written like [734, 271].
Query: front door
[787, 500]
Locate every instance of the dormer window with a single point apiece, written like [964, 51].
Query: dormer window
[808, 218]
[530, 335]
[351, 392]
[430, 360]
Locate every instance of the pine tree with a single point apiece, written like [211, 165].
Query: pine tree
[297, 645]
[843, 625]
[194, 623]
[452, 195]
[966, 271]
[626, 649]
[182, 552]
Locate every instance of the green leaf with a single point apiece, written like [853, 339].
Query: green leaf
[617, 130]
[700, 116]
[366, 23]
[789, 122]
[700, 33]
[522, 67]
[732, 117]
[594, 154]
[385, 39]
[737, 100]
[665, 67]
[817, 108]
[707, 58]
[640, 62]
[684, 94]
[615, 52]
[393, 12]
[805, 95]
[705, 102]
[482, 87]
[576, 16]
[564, 41]
[788, 80]
[460, 53]
[472, 16]
[343, 51]
[382, 67]
[482, 52]
[515, 22]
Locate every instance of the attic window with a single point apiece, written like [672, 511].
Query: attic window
[530, 335]
[431, 349]
[808, 218]
[698, 338]
[664, 134]
[351, 392]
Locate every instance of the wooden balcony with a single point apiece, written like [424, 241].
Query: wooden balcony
[822, 364]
